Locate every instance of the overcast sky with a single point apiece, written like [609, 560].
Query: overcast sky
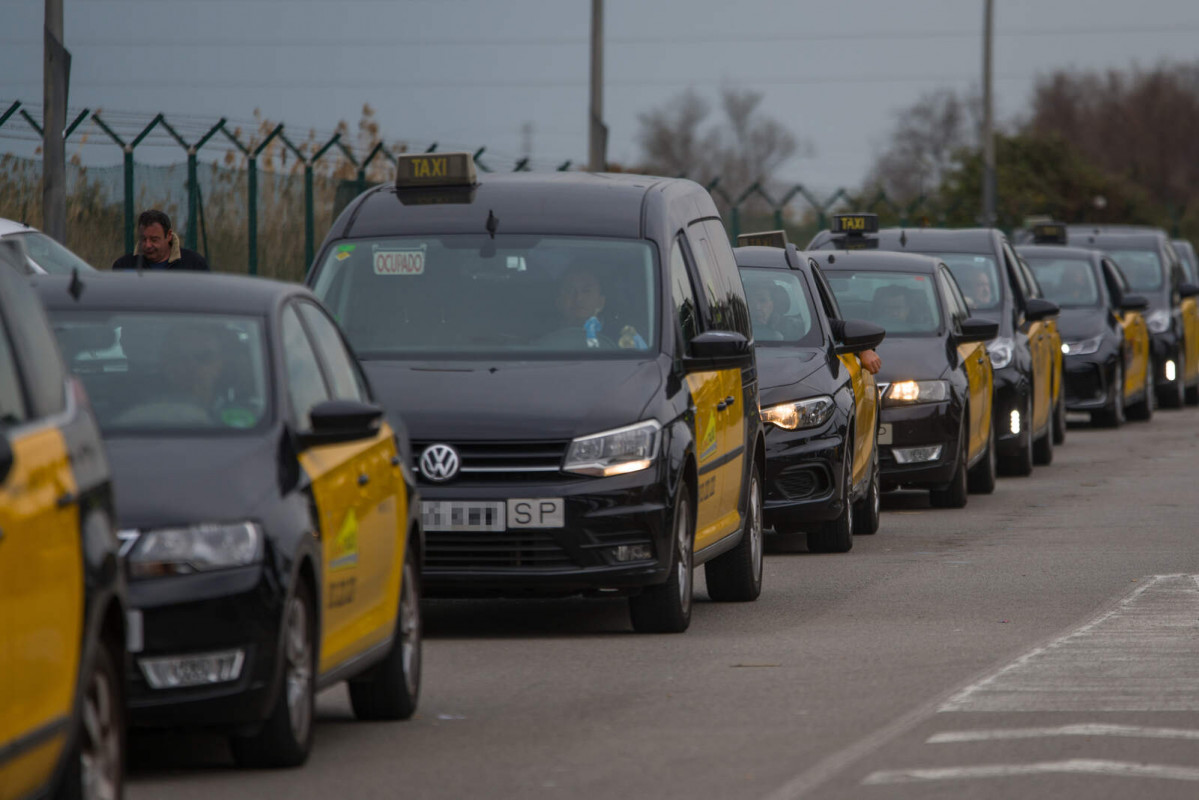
[471, 73]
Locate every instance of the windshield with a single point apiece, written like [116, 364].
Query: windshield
[1142, 268]
[1069, 282]
[1186, 254]
[466, 296]
[50, 255]
[903, 303]
[977, 276]
[780, 307]
[179, 373]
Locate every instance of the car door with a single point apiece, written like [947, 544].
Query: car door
[1190, 314]
[974, 360]
[1132, 323]
[1053, 339]
[359, 539]
[1039, 345]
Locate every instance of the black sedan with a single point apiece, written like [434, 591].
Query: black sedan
[820, 405]
[269, 522]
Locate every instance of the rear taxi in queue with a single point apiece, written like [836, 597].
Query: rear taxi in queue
[573, 356]
[819, 406]
[62, 586]
[1109, 373]
[268, 519]
[1029, 405]
[937, 430]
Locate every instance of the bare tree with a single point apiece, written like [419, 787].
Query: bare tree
[923, 144]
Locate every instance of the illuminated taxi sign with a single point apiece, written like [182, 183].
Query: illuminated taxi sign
[763, 239]
[429, 170]
[855, 224]
[1049, 233]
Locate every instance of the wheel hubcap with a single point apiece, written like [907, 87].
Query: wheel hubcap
[100, 745]
[755, 527]
[410, 653]
[299, 670]
[683, 542]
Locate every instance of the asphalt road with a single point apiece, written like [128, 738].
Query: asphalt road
[1042, 642]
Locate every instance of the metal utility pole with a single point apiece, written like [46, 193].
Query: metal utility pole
[56, 70]
[597, 132]
[988, 132]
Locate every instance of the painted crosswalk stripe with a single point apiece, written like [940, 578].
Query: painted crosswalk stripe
[1074, 766]
[1085, 729]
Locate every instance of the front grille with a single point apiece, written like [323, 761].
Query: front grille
[1084, 384]
[494, 462]
[457, 550]
[798, 483]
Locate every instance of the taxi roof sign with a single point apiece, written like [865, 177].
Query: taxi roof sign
[1049, 233]
[855, 224]
[763, 239]
[428, 170]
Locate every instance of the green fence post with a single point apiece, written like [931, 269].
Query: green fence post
[478, 159]
[128, 159]
[252, 181]
[564, 166]
[252, 204]
[8, 113]
[193, 186]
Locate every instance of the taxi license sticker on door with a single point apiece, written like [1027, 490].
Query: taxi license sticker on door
[481, 515]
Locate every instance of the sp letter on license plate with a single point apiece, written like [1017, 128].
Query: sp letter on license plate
[536, 512]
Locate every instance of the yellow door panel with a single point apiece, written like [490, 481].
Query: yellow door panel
[978, 378]
[732, 441]
[1042, 364]
[1136, 338]
[28, 772]
[865, 397]
[706, 393]
[1190, 327]
[41, 596]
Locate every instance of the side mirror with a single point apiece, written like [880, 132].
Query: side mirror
[719, 350]
[975, 329]
[6, 458]
[1134, 302]
[337, 421]
[1188, 290]
[858, 336]
[1037, 309]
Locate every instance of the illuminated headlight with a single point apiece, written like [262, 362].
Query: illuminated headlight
[1014, 422]
[1001, 351]
[1171, 371]
[1158, 321]
[200, 669]
[916, 455]
[199, 548]
[615, 452]
[906, 393]
[810, 413]
[1084, 348]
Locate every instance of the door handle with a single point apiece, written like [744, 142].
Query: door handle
[395, 461]
[363, 479]
[65, 500]
[725, 403]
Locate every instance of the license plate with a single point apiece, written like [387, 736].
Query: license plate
[536, 512]
[884, 433]
[462, 515]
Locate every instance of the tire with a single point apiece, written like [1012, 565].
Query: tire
[1113, 415]
[736, 576]
[95, 767]
[391, 689]
[285, 738]
[1192, 395]
[865, 516]
[981, 478]
[1042, 449]
[666, 607]
[1059, 417]
[956, 493]
[1020, 464]
[836, 536]
[1142, 411]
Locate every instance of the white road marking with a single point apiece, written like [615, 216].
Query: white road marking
[1143, 655]
[1074, 766]
[1085, 729]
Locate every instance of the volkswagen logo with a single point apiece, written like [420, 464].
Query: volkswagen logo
[439, 462]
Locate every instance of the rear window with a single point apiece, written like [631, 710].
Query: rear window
[905, 304]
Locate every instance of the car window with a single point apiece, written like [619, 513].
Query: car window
[827, 299]
[903, 303]
[726, 264]
[712, 287]
[33, 341]
[1116, 284]
[977, 276]
[1142, 267]
[958, 310]
[12, 403]
[1069, 282]
[50, 255]
[682, 297]
[339, 364]
[1030, 280]
[305, 384]
[781, 307]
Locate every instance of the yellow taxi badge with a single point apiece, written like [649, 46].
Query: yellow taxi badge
[763, 239]
[855, 223]
[345, 544]
[708, 444]
[435, 169]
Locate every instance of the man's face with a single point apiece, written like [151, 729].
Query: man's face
[981, 289]
[761, 306]
[579, 297]
[155, 242]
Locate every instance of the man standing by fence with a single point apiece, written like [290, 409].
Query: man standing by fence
[158, 247]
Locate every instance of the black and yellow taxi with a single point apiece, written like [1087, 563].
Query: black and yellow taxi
[1109, 372]
[269, 523]
[573, 356]
[1029, 405]
[819, 405]
[936, 427]
[1154, 269]
[62, 586]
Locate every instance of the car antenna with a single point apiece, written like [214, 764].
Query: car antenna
[75, 289]
[493, 222]
[903, 238]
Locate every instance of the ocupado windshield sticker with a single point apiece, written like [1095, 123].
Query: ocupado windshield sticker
[400, 262]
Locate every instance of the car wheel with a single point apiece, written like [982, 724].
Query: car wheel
[1112, 416]
[1192, 395]
[1142, 410]
[836, 536]
[865, 520]
[390, 690]
[736, 576]
[1059, 418]
[666, 607]
[1019, 463]
[95, 766]
[1042, 449]
[286, 737]
[981, 479]
[956, 493]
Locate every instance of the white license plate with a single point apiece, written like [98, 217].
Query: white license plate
[462, 515]
[884, 433]
[536, 512]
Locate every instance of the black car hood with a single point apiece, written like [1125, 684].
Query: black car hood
[783, 366]
[912, 358]
[1076, 324]
[457, 401]
[161, 481]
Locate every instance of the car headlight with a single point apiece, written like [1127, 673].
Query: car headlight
[1001, 351]
[198, 548]
[810, 413]
[906, 393]
[1083, 348]
[1158, 321]
[615, 452]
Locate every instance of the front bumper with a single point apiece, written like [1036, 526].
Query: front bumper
[917, 426]
[192, 614]
[802, 469]
[1090, 381]
[1011, 394]
[1165, 347]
